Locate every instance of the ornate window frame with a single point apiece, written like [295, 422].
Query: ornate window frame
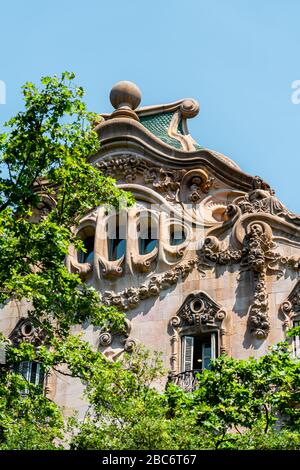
[290, 310]
[26, 332]
[199, 314]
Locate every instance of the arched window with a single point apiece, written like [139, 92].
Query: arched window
[87, 235]
[88, 255]
[147, 232]
[177, 235]
[116, 238]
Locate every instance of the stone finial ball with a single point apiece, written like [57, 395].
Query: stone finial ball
[125, 94]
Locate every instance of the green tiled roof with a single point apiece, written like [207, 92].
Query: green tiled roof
[158, 125]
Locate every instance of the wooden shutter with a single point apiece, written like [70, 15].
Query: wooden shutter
[206, 354]
[296, 341]
[187, 353]
[209, 351]
[213, 342]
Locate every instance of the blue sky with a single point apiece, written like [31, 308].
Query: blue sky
[238, 58]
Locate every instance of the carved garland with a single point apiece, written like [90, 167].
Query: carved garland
[258, 242]
[132, 296]
[257, 255]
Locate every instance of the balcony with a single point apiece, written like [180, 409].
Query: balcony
[186, 380]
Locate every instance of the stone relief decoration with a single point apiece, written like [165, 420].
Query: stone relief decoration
[74, 266]
[290, 308]
[126, 166]
[131, 226]
[198, 314]
[195, 184]
[26, 332]
[212, 251]
[258, 242]
[262, 199]
[178, 185]
[85, 229]
[164, 181]
[258, 312]
[106, 338]
[257, 255]
[140, 222]
[131, 297]
[250, 245]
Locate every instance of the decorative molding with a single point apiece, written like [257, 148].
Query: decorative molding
[194, 185]
[259, 323]
[126, 165]
[213, 252]
[73, 265]
[26, 332]
[199, 311]
[196, 182]
[110, 269]
[258, 243]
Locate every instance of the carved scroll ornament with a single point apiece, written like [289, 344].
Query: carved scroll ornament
[107, 337]
[290, 308]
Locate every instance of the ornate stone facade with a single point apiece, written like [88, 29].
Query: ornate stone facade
[218, 272]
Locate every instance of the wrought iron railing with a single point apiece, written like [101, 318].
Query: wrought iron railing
[186, 380]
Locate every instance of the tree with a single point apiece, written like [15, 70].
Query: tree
[46, 186]
[259, 395]
[238, 404]
[44, 165]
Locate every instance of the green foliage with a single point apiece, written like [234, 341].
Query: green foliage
[46, 185]
[238, 395]
[238, 404]
[127, 411]
[275, 439]
[28, 420]
[44, 163]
